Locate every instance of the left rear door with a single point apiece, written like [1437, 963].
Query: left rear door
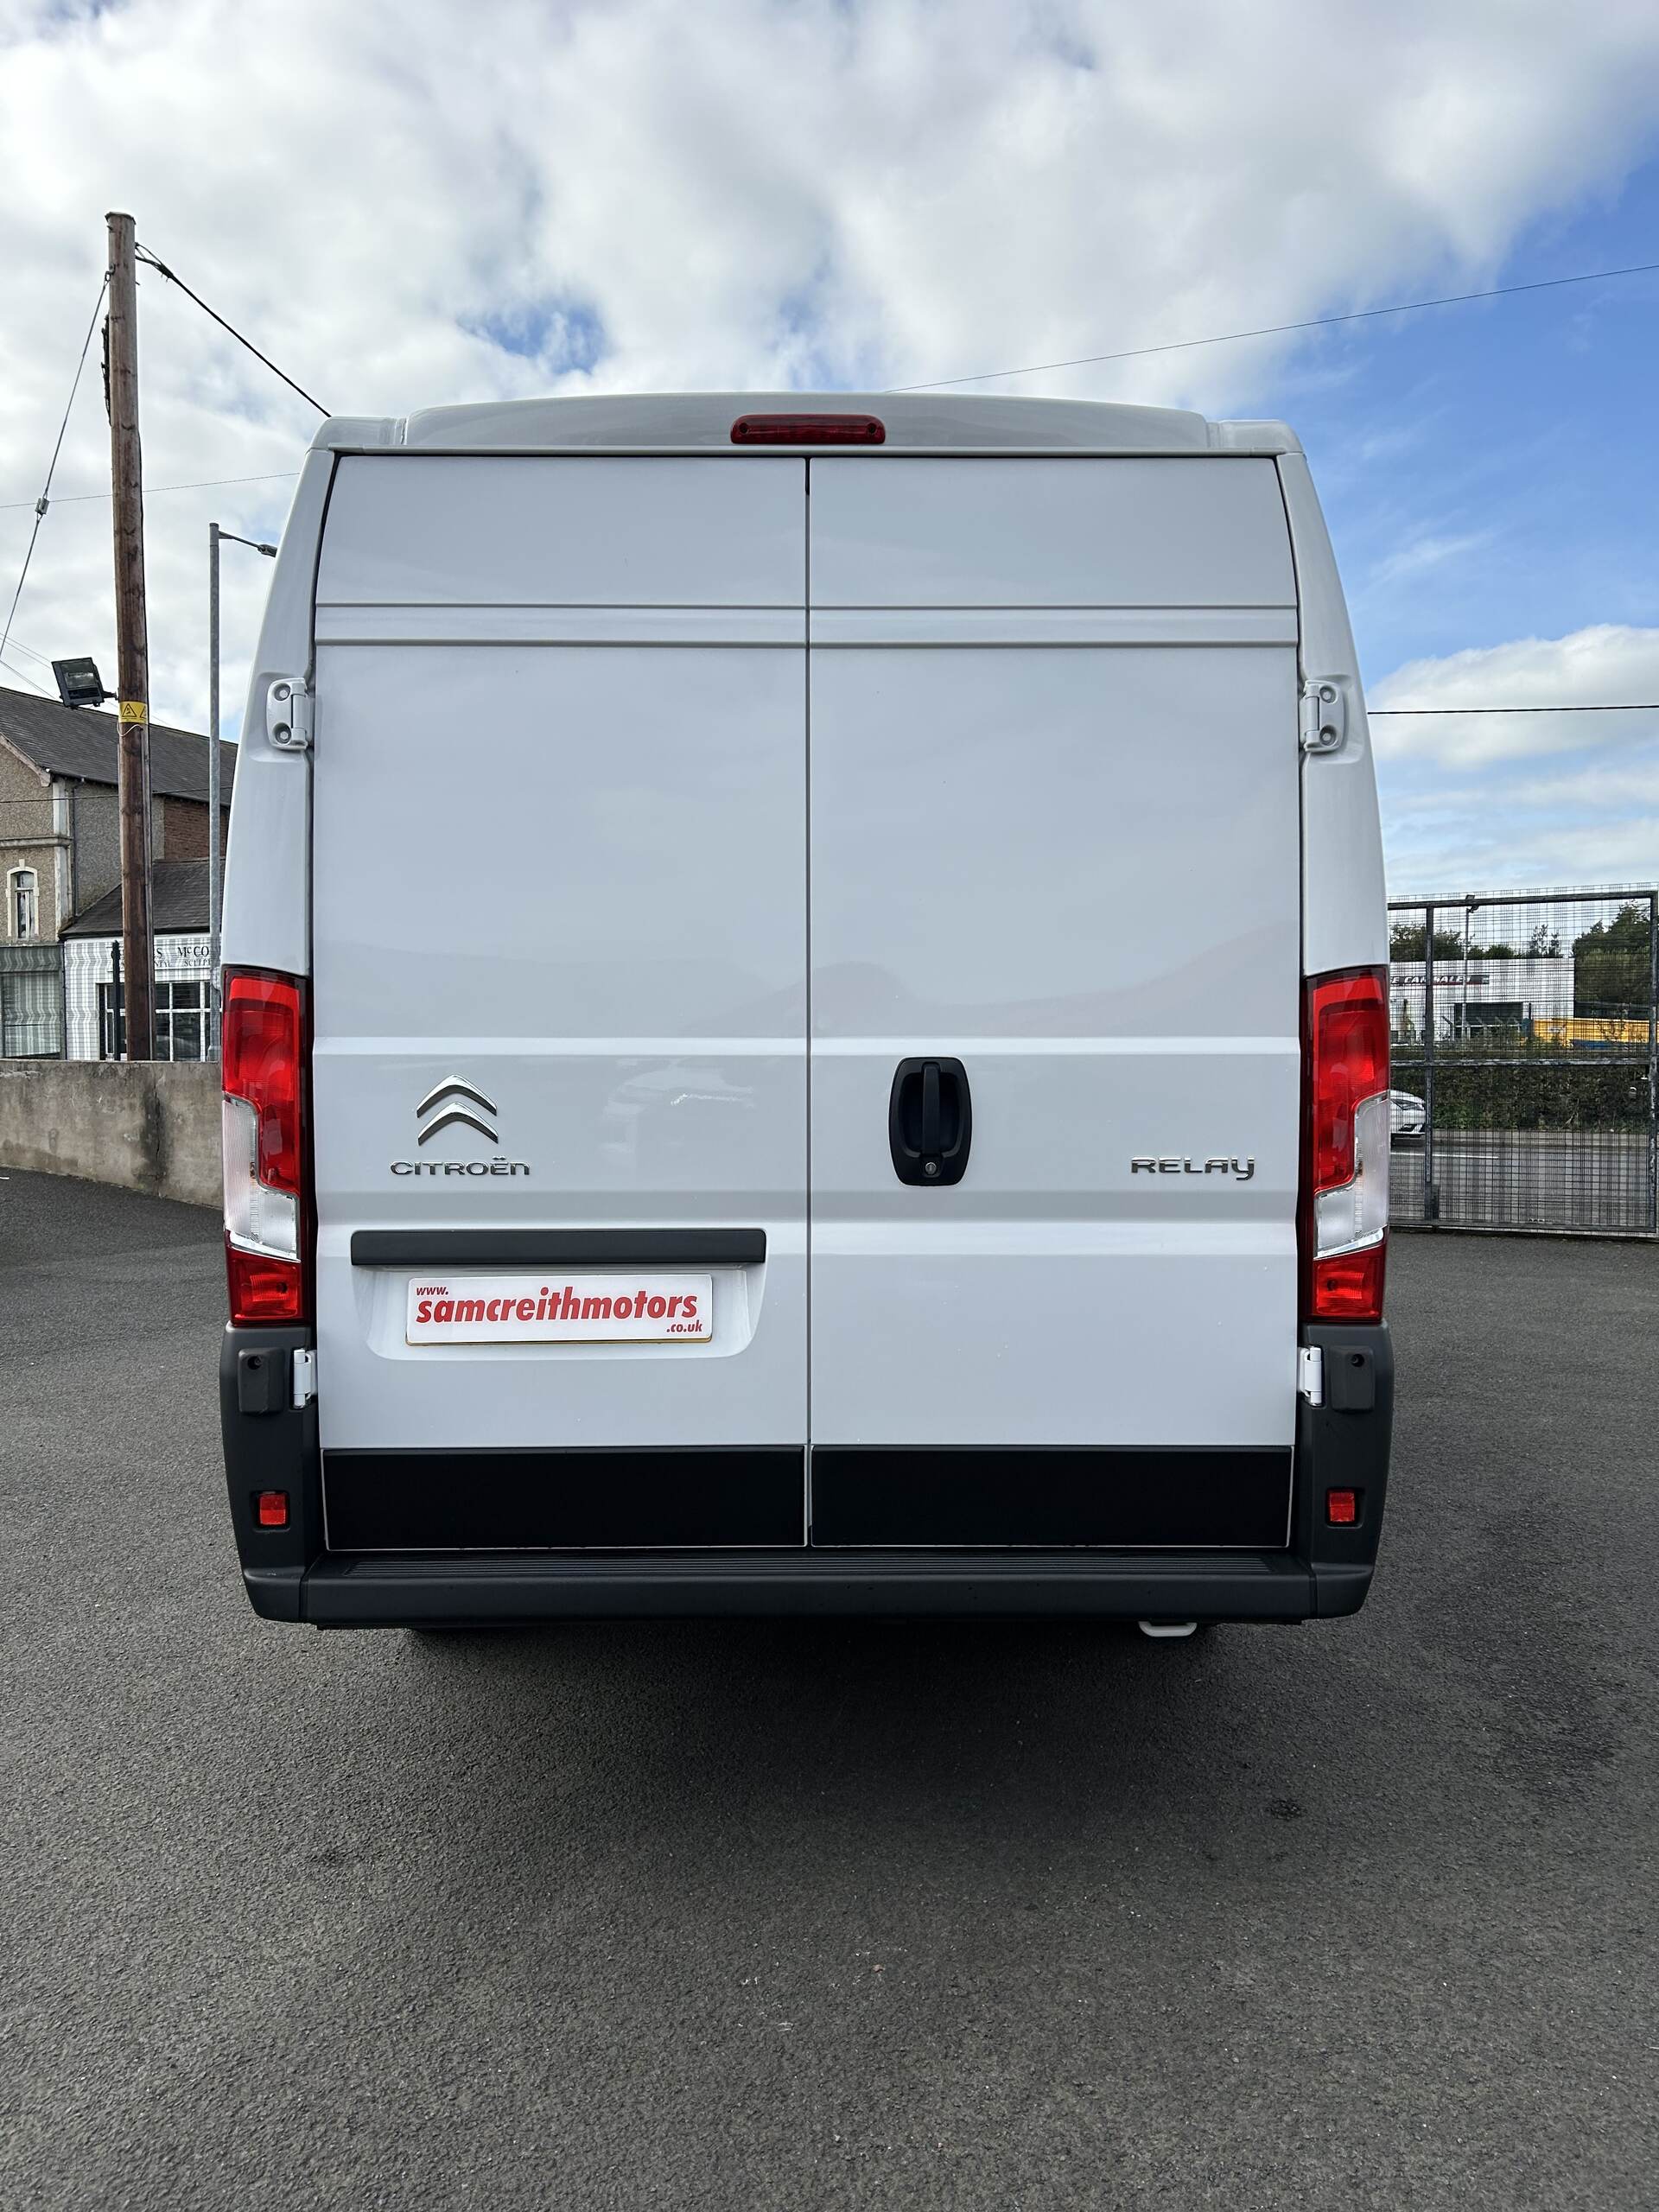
[559, 859]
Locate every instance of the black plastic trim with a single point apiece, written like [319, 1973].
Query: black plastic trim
[567, 1500]
[557, 1247]
[1103, 1497]
[271, 1445]
[1219, 1586]
[1345, 1444]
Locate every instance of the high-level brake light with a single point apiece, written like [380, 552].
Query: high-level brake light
[263, 1045]
[809, 430]
[1345, 1182]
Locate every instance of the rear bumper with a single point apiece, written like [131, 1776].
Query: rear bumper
[1324, 1570]
[1225, 1586]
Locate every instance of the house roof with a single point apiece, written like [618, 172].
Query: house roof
[178, 904]
[82, 743]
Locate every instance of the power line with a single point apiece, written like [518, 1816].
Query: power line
[44, 501]
[1278, 330]
[45, 694]
[151, 261]
[1625, 707]
[201, 484]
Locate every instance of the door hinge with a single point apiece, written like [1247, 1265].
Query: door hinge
[1310, 1374]
[1325, 714]
[288, 714]
[305, 1377]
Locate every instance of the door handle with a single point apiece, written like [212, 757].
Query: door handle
[929, 1121]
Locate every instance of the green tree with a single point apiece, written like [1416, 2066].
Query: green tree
[1611, 969]
[1406, 942]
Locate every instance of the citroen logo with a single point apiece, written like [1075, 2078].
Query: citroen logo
[447, 1094]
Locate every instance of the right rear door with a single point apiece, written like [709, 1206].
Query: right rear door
[1054, 836]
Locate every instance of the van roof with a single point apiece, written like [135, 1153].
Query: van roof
[916, 422]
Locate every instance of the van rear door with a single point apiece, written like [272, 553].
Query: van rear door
[1054, 839]
[559, 1025]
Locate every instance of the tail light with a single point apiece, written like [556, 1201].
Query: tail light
[1345, 1179]
[809, 430]
[263, 1047]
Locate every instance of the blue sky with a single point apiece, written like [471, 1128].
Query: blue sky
[1489, 475]
[628, 194]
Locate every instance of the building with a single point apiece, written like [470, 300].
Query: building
[1482, 995]
[91, 968]
[61, 845]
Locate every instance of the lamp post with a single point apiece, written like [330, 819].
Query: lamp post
[215, 535]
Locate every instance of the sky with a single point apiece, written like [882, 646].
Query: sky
[406, 205]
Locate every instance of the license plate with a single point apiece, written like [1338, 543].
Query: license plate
[559, 1309]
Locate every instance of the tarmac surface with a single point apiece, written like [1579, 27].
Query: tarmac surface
[757, 1915]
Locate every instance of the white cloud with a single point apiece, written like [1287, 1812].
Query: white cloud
[1419, 555]
[1604, 664]
[1476, 802]
[413, 203]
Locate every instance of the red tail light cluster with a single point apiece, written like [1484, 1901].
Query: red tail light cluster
[1345, 1182]
[263, 1047]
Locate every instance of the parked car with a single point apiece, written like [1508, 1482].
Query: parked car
[939, 1168]
[1407, 1117]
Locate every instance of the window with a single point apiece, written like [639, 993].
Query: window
[181, 1022]
[24, 904]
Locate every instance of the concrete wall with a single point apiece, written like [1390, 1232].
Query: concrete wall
[150, 1126]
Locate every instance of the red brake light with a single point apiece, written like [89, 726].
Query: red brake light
[263, 1048]
[809, 430]
[270, 1509]
[1348, 1045]
[1342, 1508]
[1345, 1182]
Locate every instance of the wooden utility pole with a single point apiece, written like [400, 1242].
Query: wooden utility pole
[132, 636]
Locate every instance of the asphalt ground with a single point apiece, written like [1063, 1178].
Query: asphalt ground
[757, 1915]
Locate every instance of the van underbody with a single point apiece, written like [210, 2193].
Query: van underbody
[801, 1024]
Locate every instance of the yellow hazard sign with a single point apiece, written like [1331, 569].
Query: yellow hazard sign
[134, 710]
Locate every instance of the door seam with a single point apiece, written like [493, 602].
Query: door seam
[807, 812]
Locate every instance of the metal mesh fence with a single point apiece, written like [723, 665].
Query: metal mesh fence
[1526, 1062]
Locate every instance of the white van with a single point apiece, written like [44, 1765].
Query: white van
[804, 1024]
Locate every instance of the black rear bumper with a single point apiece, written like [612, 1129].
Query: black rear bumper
[343, 1592]
[1322, 1570]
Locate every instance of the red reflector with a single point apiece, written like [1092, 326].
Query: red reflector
[270, 1509]
[1342, 1508]
[809, 430]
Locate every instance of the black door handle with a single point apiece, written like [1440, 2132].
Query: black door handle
[929, 1121]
